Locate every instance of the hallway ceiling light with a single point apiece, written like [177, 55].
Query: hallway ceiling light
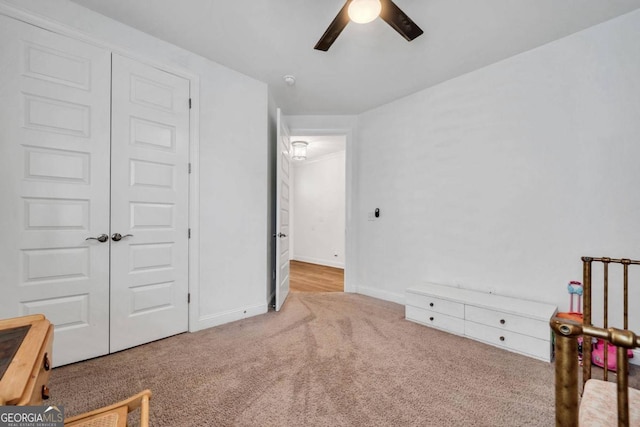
[364, 11]
[289, 80]
[299, 150]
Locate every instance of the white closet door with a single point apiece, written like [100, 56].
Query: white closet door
[149, 203]
[54, 185]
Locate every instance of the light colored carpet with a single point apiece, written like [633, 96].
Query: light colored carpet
[327, 359]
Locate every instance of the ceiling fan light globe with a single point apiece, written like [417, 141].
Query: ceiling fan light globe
[364, 11]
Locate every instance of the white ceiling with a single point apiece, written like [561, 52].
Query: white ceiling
[369, 64]
[321, 145]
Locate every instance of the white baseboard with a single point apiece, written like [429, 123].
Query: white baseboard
[383, 295]
[218, 319]
[325, 262]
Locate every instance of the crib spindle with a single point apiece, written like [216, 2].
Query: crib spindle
[586, 300]
[625, 267]
[623, 386]
[605, 315]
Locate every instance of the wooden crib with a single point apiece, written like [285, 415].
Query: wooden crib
[597, 402]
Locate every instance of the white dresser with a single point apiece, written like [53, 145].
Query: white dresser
[514, 324]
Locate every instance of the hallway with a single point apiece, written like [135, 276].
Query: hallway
[306, 277]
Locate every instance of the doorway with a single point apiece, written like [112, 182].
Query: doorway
[317, 243]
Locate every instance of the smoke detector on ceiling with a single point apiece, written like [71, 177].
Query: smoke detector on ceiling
[289, 80]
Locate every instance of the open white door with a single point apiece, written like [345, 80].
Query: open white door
[282, 212]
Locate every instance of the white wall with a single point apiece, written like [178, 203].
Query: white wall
[500, 180]
[319, 210]
[233, 141]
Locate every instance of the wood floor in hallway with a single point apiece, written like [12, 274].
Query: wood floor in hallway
[306, 277]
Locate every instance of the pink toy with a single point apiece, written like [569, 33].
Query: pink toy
[597, 355]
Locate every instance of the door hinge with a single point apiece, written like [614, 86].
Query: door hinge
[189, 103]
[189, 298]
[189, 167]
[189, 233]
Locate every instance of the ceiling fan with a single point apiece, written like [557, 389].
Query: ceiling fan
[363, 11]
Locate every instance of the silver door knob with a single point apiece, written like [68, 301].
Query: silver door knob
[282, 235]
[101, 238]
[116, 237]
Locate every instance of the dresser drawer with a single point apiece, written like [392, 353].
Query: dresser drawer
[509, 322]
[511, 340]
[435, 319]
[438, 305]
[481, 316]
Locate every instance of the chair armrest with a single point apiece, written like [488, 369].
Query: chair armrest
[140, 400]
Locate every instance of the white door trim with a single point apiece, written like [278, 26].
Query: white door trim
[194, 135]
[350, 240]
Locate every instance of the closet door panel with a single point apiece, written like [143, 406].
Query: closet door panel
[149, 203]
[54, 185]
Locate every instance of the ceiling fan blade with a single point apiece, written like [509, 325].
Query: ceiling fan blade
[399, 20]
[335, 28]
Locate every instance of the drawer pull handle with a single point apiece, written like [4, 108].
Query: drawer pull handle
[430, 304]
[46, 363]
[45, 392]
[431, 318]
[502, 321]
[501, 338]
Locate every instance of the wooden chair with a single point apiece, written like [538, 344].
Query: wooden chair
[601, 403]
[114, 415]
